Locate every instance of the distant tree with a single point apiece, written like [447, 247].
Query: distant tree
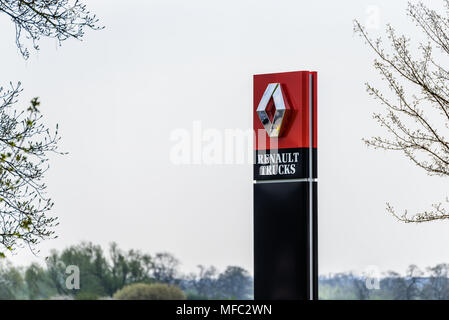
[235, 283]
[128, 267]
[25, 143]
[205, 282]
[413, 277]
[338, 286]
[11, 282]
[165, 268]
[416, 117]
[95, 276]
[35, 280]
[397, 287]
[394, 286]
[156, 291]
[56, 273]
[437, 286]
[361, 291]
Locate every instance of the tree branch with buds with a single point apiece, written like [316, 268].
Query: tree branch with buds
[416, 118]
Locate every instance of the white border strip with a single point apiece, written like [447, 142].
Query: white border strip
[311, 262]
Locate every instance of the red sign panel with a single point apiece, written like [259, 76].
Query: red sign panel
[285, 123]
[297, 93]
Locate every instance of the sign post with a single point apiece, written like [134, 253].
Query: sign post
[285, 186]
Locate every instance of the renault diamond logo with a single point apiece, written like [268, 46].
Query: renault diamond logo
[273, 110]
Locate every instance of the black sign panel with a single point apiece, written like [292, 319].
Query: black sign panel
[282, 240]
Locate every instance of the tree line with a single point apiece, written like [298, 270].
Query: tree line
[119, 274]
[102, 274]
[414, 285]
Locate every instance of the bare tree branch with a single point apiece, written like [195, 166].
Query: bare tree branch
[58, 19]
[416, 119]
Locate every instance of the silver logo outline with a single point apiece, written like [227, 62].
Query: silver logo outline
[273, 128]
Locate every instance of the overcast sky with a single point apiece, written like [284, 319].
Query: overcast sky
[159, 66]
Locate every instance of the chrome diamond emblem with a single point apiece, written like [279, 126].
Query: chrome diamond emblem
[273, 97]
